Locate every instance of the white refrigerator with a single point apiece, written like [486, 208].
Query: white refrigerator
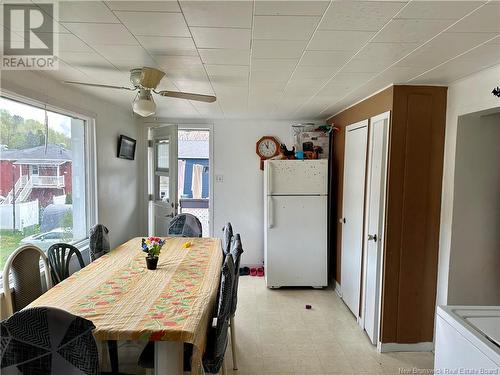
[295, 223]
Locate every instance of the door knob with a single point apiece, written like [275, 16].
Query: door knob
[372, 237]
[342, 220]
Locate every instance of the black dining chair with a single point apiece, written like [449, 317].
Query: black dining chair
[236, 251]
[217, 337]
[45, 340]
[185, 225]
[60, 255]
[227, 235]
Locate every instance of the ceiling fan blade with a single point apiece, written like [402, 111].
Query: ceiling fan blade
[98, 85]
[150, 77]
[188, 96]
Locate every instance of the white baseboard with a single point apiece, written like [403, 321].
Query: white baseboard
[395, 347]
[337, 289]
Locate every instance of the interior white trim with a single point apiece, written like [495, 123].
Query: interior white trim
[338, 289]
[395, 347]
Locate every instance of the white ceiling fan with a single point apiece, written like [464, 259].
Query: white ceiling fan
[145, 80]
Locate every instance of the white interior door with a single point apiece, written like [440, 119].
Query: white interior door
[162, 178]
[353, 213]
[373, 240]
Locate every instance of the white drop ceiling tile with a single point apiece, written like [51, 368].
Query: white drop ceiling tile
[164, 45]
[266, 76]
[109, 76]
[326, 58]
[290, 8]
[359, 15]
[126, 57]
[438, 9]
[85, 11]
[484, 56]
[70, 43]
[210, 110]
[179, 62]
[200, 87]
[411, 30]
[100, 33]
[227, 70]
[445, 47]
[274, 64]
[209, 37]
[334, 40]
[298, 87]
[446, 73]
[352, 79]
[314, 72]
[284, 27]
[225, 56]
[365, 66]
[277, 48]
[66, 72]
[154, 23]
[218, 13]
[82, 59]
[144, 6]
[485, 19]
[387, 52]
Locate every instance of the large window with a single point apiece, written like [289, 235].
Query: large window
[44, 187]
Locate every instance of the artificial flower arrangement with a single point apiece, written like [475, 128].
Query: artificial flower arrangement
[152, 246]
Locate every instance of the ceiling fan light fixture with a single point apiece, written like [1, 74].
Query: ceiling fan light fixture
[144, 104]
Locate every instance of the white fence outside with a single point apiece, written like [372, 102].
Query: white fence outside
[27, 214]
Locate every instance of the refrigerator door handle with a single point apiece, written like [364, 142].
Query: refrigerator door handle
[270, 215]
[269, 179]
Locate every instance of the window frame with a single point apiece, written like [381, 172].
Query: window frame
[91, 201]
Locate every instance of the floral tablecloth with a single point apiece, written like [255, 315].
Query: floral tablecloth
[126, 301]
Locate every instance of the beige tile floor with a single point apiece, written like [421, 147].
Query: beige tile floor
[277, 335]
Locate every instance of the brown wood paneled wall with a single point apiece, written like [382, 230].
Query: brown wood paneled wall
[413, 214]
[376, 104]
[418, 117]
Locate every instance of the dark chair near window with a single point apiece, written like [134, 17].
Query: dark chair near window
[23, 265]
[99, 241]
[213, 359]
[60, 255]
[227, 235]
[236, 251]
[185, 225]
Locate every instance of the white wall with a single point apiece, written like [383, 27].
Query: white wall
[474, 274]
[117, 179]
[467, 95]
[239, 198]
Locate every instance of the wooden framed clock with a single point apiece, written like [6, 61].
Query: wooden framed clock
[267, 147]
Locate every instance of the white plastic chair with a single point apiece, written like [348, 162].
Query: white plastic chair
[24, 265]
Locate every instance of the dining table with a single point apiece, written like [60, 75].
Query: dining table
[171, 305]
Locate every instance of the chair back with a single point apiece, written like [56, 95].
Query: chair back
[99, 241]
[227, 234]
[45, 340]
[60, 255]
[218, 336]
[23, 265]
[236, 251]
[185, 225]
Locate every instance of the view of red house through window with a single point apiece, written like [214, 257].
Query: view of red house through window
[42, 177]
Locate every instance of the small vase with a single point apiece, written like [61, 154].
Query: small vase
[151, 262]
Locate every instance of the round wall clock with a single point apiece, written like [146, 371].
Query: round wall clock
[267, 147]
